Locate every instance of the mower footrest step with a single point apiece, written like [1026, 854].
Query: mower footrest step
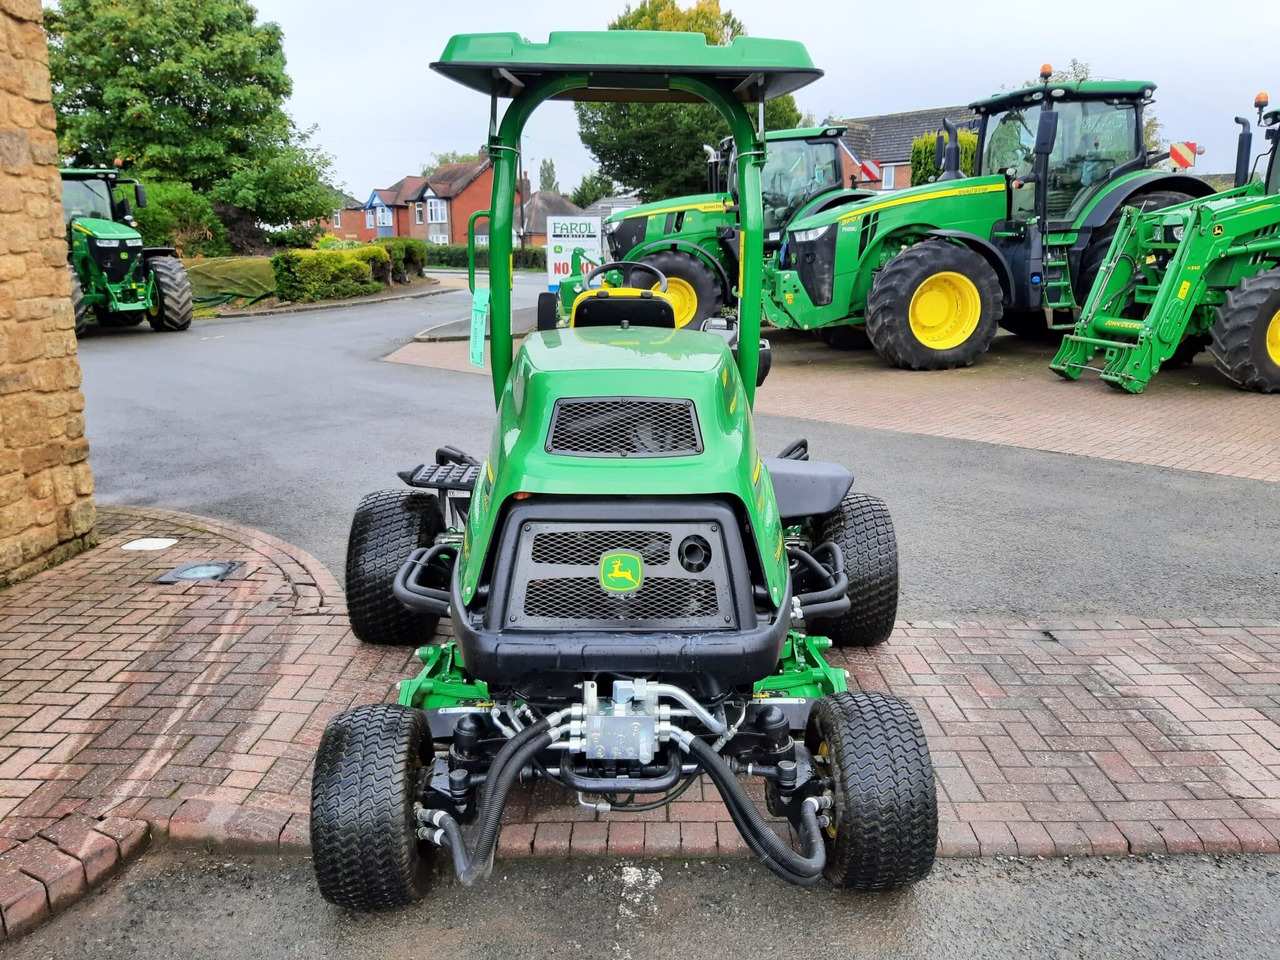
[442, 476]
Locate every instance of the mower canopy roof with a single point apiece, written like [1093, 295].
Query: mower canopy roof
[1079, 90]
[631, 65]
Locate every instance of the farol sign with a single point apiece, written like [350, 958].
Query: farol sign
[573, 246]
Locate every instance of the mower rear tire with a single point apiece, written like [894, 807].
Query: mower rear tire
[863, 530]
[935, 306]
[692, 286]
[78, 309]
[364, 844]
[1246, 334]
[174, 308]
[884, 819]
[388, 526]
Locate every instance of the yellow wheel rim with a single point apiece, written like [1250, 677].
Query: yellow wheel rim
[945, 310]
[684, 299]
[1273, 339]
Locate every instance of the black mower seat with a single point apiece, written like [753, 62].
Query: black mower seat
[807, 488]
[609, 308]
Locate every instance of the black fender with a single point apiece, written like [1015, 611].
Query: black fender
[1113, 201]
[150, 252]
[989, 253]
[697, 249]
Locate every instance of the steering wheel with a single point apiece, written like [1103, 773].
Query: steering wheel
[627, 267]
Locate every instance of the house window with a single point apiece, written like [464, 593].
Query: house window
[443, 238]
[368, 219]
[337, 219]
[417, 213]
[886, 172]
[436, 212]
[384, 216]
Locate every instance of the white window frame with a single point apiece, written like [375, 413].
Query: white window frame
[887, 176]
[337, 219]
[417, 213]
[437, 211]
[385, 218]
[482, 240]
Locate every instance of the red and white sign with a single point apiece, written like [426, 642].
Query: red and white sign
[870, 169]
[1183, 154]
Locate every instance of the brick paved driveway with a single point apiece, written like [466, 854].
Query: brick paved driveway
[196, 708]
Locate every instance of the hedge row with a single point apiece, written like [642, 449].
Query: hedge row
[305, 276]
[455, 255]
[924, 154]
[408, 256]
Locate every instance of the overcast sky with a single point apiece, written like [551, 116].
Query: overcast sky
[360, 72]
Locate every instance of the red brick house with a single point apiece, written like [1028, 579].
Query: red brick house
[887, 140]
[434, 208]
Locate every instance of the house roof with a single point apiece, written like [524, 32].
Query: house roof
[450, 179]
[887, 138]
[605, 206]
[404, 191]
[543, 204]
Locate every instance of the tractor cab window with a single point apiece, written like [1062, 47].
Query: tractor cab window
[1093, 137]
[794, 171]
[85, 198]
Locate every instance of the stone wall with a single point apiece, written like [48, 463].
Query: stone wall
[46, 507]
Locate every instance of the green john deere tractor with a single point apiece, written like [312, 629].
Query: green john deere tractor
[637, 597]
[1201, 274]
[932, 271]
[115, 280]
[694, 239]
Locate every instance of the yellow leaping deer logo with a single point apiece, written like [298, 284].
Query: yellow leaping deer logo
[621, 572]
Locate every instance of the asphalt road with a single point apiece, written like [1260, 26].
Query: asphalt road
[283, 423]
[199, 907]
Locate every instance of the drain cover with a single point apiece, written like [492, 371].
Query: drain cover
[205, 570]
[150, 543]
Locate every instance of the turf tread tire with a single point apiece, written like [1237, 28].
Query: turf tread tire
[888, 305]
[863, 530]
[173, 288]
[706, 285]
[885, 810]
[387, 527]
[1239, 333]
[364, 845]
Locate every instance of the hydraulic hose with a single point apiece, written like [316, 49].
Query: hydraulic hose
[801, 869]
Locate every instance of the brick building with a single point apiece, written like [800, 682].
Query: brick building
[887, 140]
[46, 503]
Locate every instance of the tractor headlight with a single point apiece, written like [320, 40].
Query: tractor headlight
[808, 236]
[107, 243]
[611, 226]
[136, 242]
[1174, 233]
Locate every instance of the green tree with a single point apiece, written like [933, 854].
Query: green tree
[657, 148]
[547, 176]
[177, 216]
[438, 160]
[592, 187]
[184, 91]
[924, 153]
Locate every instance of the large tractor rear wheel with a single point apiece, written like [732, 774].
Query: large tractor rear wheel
[692, 286]
[388, 526]
[174, 308]
[884, 820]
[1246, 334]
[935, 306]
[78, 308]
[1095, 254]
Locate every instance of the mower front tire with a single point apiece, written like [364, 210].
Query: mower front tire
[884, 818]
[935, 306]
[364, 842]
[388, 526]
[174, 308]
[863, 530]
[78, 309]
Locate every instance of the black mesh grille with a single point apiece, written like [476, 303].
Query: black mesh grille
[659, 598]
[627, 235]
[588, 546]
[624, 427]
[815, 261]
[111, 262]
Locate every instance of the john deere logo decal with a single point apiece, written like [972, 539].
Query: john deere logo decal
[621, 572]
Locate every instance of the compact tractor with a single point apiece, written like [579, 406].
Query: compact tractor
[694, 240]
[1201, 274]
[115, 280]
[932, 271]
[637, 597]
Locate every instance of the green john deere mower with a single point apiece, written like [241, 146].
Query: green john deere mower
[637, 597]
[693, 240]
[115, 280]
[1201, 274]
[932, 271]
